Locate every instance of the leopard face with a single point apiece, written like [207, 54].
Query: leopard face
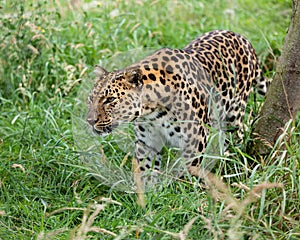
[116, 98]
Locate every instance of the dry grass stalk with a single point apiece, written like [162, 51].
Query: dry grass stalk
[62, 210]
[221, 192]
[182, 235]
[87, 222]
[124, 161]
[104, 159]
[50, 235]
[15, 165]
[139, 183]
[86, 226]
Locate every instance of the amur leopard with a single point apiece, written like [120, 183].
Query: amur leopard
[169, 94]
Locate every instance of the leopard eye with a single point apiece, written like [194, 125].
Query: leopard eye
[109, 100]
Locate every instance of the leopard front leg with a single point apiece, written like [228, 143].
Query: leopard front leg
[195, 148]
[148, 144]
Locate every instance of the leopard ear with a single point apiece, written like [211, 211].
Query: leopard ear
[134, 77]
[100, 71]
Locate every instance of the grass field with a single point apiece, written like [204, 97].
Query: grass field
[48, 50]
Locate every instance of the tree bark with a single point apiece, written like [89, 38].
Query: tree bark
[283, 97]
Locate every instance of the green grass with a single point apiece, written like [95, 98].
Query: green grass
[47, 191]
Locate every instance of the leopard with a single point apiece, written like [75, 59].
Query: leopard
[169, 96]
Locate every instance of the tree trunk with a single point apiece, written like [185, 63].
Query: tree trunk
[283, 97]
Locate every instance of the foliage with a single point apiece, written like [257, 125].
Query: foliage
[47, 50]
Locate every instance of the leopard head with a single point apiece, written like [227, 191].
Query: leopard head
[114, 99]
